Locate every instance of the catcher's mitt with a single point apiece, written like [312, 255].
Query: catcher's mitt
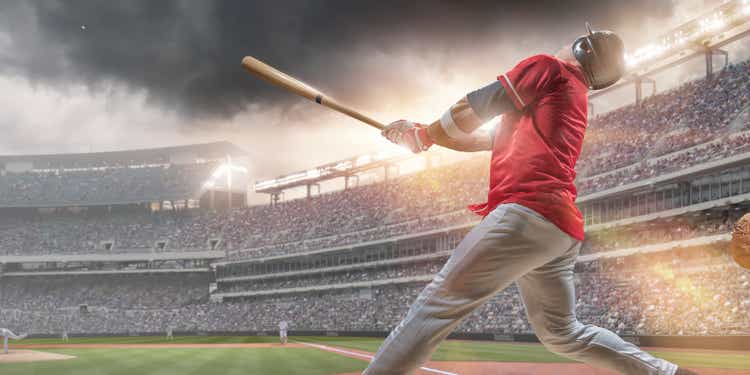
[740, 245]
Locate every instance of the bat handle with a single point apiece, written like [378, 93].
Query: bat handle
[330, 103]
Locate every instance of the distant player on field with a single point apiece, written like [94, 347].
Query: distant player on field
[170, 334]
[6, 333]
[64, 335]
[532, 230]
[283, 327]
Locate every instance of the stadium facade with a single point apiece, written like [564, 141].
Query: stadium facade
[146, 240]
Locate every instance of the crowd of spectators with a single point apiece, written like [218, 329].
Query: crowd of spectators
[120, 184]
[128, 230]
[661, 231]
[428, 200]
[131, 291]
[661, 301]
[331, 278]
[656, 299]
[688, 115]
[730, 145]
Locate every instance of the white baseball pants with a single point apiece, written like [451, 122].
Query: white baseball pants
[513, 243]
[6, 333]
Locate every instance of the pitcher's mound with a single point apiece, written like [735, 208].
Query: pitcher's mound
[16, 356]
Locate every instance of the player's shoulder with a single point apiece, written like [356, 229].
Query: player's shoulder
[542, 61]
[543, 58]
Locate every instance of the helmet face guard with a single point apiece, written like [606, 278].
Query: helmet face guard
[602, 56]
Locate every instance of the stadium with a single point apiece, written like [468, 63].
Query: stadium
[154, 260]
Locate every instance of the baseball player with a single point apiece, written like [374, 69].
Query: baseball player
[532, 230]
[283, 327]
[6, 333]
[170, 333]
[64, 336]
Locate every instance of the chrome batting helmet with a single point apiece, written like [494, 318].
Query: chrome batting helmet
[601, 53]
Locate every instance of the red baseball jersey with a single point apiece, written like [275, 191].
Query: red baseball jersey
[536, 148]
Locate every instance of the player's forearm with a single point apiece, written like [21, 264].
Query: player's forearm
[456, 128]
[458, 131]
[477, 141]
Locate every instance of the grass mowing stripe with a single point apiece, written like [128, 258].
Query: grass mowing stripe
[149, 360]
[157, 340]
[517, 352]
[190, 361]
[715, 360]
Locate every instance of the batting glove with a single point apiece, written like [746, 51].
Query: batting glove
[408, 134]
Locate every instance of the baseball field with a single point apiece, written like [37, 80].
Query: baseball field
[195, 355]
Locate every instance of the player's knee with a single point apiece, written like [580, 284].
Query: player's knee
[558, 336]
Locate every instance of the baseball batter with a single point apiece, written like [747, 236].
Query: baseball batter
[6, 333]
[283, 327]
[532, 230]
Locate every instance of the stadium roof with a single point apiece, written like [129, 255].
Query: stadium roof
[701, 36]
[341, 168]
[213, 150]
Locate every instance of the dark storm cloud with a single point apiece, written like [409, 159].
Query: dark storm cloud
[185, 54]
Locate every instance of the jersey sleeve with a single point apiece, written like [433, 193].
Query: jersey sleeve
[531, 79]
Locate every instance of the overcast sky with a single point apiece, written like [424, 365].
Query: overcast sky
[79, 76]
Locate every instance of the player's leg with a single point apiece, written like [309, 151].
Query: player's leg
[508, 243]
[549, 295]
[13, 335]
[5, 344]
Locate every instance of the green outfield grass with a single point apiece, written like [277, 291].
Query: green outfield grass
[158, 340]
[190, 361]
[515, 352]
[280, 360]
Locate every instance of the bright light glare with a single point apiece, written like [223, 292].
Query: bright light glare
[714, 22]
[313, 173]
[364, 159]
[491, 123]
[223, 172]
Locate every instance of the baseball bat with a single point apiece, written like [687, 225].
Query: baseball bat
[287, 82]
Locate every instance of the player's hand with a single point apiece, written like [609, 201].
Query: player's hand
[408, 134]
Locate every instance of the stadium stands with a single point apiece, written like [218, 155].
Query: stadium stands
[124, 184]
[677, 302]
[691, 114]
[363, 271]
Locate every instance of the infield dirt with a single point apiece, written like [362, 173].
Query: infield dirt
[18, 356]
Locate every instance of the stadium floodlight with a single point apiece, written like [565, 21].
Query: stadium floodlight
[219, 171]
[697, 31]
[224, 173]
[363, 159]
[344, 165]
[712, 23]
[293, 178]
[260, 185]
[313, 173]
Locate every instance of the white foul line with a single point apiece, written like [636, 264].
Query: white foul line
[336, 350]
